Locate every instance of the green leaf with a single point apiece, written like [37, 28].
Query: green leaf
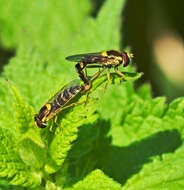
[24, 113]
[24, 116]
[165, 173]
[145, 91]
[132, 76]
[96, 180]
[144, 134]
[32, 154]
[70, 123]
[11, 166]
[44, 23]
[129, 136]
[101, 33]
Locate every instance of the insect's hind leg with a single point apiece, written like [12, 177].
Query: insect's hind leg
[65, 107]
[73, 104]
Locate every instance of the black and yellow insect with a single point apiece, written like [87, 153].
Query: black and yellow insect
[105, 60]
[59, 102]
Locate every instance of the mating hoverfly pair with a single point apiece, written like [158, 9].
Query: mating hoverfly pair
[61, 100]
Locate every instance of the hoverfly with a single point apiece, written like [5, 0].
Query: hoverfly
[61, 100]
[58, 102]
[105, 60]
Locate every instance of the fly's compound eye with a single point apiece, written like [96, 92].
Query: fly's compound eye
[38, 122]
[126, 59]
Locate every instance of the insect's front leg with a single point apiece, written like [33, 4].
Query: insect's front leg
[108, 79]
[53, 122]
[122, 76]
[88, 84]
[99, 72]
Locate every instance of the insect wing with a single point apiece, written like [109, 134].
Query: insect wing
[87, 58]
[73, 83]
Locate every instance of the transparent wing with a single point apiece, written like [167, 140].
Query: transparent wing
[75, 82]
[87, 58]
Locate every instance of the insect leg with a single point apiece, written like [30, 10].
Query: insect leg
[93, 78]
[96, 75]
[108, 79]
[73, 104]
[55, 117]
[94, 66]
[52, 124]
[119, 73]
[79, 68]
[86, 72]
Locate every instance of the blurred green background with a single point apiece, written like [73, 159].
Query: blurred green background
[154, 32]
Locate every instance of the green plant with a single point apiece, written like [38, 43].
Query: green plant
[125, 140]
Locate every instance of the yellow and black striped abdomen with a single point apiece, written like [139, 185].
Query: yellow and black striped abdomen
[63, 97]
[52, 107]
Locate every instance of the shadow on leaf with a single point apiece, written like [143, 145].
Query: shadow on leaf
[5, 56]
[93, 150]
